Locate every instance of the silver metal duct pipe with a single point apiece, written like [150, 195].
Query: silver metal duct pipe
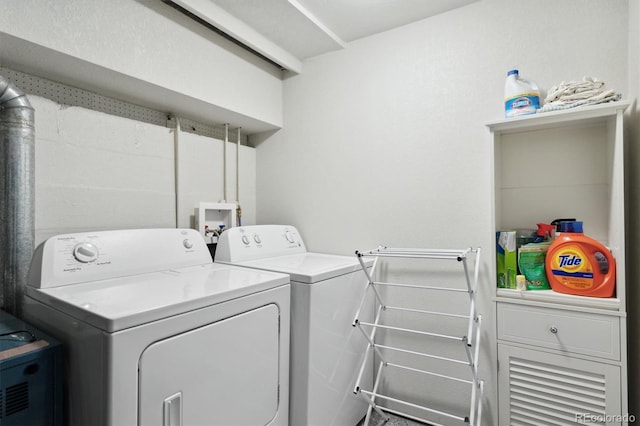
[17, 196]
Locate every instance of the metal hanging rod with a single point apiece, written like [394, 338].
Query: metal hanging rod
[420, 311]
[426, 287]
[422, 354]
[430, 373]
[409, 330]
[410, 417]
[382, 251]
[420, 407]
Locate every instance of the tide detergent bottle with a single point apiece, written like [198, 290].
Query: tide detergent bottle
[577, 264]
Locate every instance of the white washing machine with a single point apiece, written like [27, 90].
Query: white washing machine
[155, 334]
[326, 350]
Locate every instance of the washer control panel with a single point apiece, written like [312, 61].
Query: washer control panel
[258, 241]
[84, 257]
[85, 252]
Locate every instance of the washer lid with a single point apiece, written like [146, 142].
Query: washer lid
[116, 304]
[308, 267]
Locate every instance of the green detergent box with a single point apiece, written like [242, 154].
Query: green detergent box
[506, 259]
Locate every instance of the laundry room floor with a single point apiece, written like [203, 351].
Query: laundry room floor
[394, 420]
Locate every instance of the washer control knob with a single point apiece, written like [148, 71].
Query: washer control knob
[257, 239]
[85, 252]
[289, 236]
[187, 243]
[245, 240]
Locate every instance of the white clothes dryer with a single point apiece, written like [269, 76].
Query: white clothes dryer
[154, 333]
[326, 291]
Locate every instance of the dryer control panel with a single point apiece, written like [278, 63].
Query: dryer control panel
[258, 242]
[84, 257]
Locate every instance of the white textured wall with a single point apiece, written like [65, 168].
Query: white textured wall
[201, 176]
[385, 141]
[96, 171]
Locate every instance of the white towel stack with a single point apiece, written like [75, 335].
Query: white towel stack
[572, 94]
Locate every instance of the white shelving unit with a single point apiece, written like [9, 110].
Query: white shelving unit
[562, 359]
[469, 343]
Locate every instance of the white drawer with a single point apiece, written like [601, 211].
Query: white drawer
[576, 332]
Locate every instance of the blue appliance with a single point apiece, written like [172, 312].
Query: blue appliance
[30, 375]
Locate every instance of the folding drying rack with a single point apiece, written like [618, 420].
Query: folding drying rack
[470, 342]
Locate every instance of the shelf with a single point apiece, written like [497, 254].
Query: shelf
[144, 90]
[550, 296]
[557, 118]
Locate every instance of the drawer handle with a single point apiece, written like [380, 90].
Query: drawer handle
[553, 329]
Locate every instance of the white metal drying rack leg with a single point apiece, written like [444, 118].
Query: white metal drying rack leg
[471, 341]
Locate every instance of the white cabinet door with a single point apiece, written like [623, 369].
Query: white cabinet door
[539, 388]
[225, 374]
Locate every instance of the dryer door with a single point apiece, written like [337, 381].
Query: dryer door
[224, 373]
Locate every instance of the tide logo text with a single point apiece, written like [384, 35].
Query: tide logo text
[569, 260]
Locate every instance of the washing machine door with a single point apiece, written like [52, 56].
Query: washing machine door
[224, 373]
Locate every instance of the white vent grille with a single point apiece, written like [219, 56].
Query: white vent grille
[543, 394]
